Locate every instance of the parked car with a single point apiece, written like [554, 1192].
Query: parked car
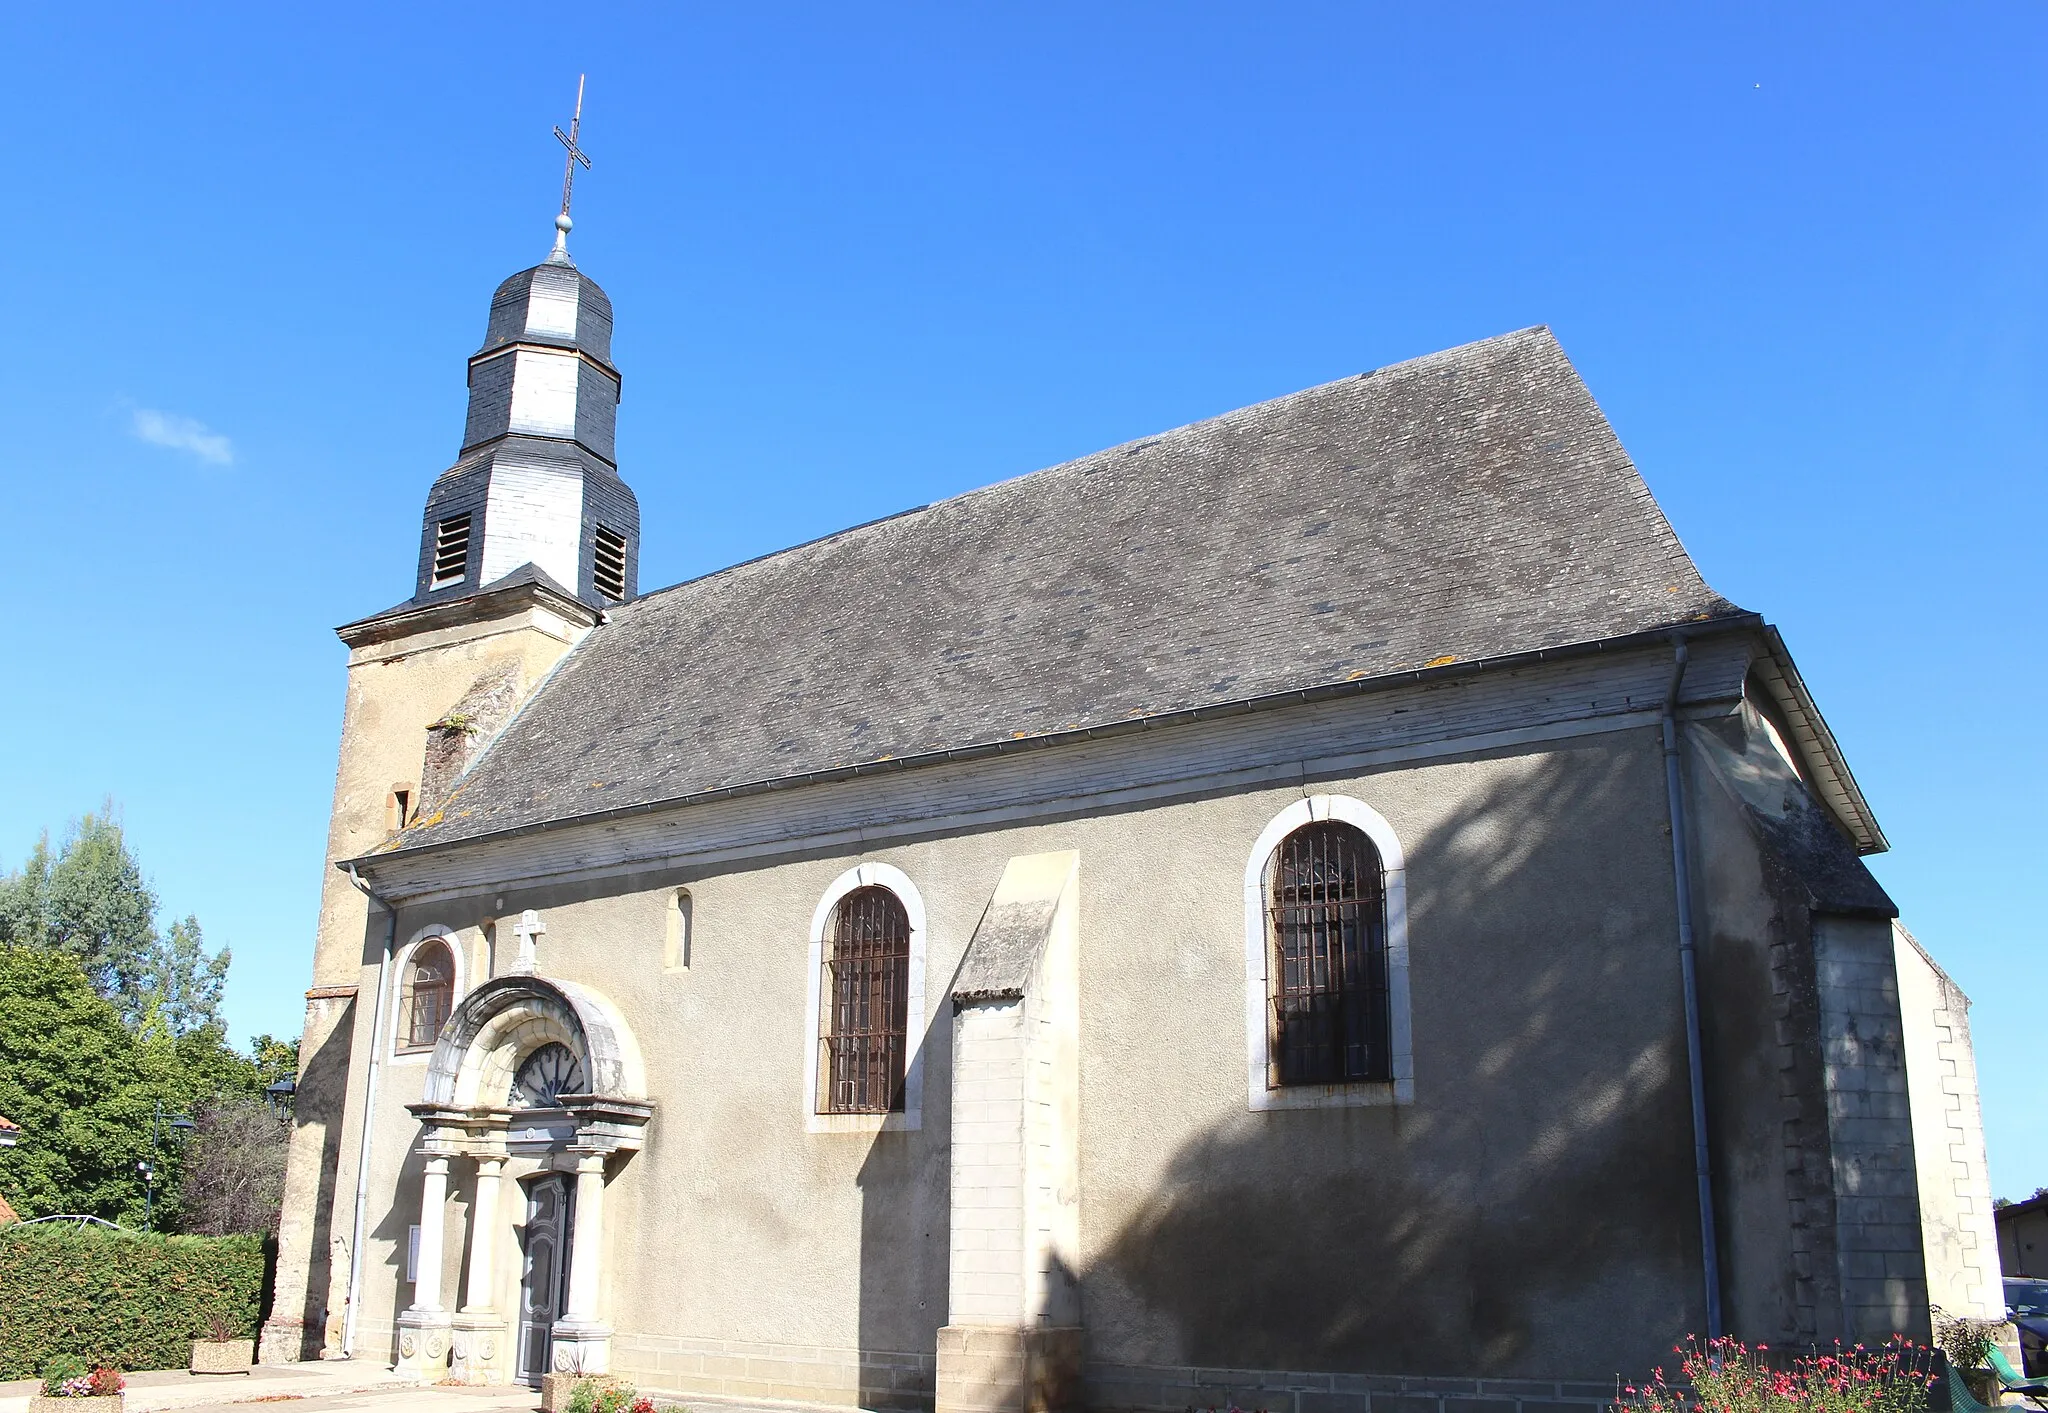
[2026, 1304]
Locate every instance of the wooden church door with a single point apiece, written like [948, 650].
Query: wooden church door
[544, 1277]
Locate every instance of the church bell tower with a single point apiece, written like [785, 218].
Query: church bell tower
[527, 539]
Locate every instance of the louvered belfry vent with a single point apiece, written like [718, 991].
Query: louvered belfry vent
[608, 564]
[451, 550]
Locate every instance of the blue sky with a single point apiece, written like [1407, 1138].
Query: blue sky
[865, 257]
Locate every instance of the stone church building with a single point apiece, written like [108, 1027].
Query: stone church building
[1323, 907]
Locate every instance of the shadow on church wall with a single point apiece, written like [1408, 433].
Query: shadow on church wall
[906, 1202]
[1532, 1214]
[320, 1099]
[393, 1226]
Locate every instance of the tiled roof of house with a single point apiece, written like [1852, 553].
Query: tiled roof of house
[1468, 505]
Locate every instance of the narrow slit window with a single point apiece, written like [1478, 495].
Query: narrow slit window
[451, 551]
[1327, 930]
[866, 987]
[608, 565]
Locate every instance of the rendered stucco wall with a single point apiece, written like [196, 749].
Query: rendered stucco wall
[1811, 1130]
[1532, 1211]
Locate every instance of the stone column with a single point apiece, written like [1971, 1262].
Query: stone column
[478, 1330]
[582, 1343]
[423, 1328]
[483, 1226]
[1012, 1341]
[426, 1288]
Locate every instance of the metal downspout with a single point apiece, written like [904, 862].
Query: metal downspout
[1688, 960]
[355, 1245]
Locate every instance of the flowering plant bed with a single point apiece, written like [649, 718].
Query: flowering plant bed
[70, 1387]
[1727, 1376]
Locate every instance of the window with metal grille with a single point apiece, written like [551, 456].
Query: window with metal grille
[1328, 932]
[429, 995]
[608, 564]
[451, 550]
[866, 987]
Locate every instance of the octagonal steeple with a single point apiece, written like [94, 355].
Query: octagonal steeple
[545, 368]
[536, 480]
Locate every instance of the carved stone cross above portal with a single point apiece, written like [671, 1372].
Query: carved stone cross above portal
[529, 930]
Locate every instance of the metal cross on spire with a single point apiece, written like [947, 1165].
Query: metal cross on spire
[575, 155]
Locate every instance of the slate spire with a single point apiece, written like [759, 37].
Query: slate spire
[537, 479]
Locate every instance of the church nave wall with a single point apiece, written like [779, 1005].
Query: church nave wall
[1528, 1214]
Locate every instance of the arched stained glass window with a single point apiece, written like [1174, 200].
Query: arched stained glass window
[1328, 973]
[429, 995]
[865, 991]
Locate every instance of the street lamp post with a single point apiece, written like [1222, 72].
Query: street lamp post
[178, 1124]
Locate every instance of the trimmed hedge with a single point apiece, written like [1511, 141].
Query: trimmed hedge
[120, 1298]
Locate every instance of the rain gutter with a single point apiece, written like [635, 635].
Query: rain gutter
[1688, 963]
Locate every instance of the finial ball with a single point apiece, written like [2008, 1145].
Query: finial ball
[563, 223]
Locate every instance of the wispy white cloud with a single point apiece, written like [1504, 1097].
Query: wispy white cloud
[183, 434]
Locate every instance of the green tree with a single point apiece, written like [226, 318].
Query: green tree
[85, 1087]
[68, 1076]
[181, 981]
[91, 901]
[275, 1059]
[24, 900]
[234, 1169]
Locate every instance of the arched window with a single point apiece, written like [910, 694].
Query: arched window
[1327, 971]
[545, 1076]
[429, 994]
[865, 991]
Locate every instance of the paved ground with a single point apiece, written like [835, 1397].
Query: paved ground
[339, 1387]
[305, 1384]
[403, 1398]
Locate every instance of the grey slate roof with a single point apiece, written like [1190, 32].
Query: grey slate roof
[1471, 504]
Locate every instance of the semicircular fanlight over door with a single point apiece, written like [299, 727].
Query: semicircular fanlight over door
[545, 1076]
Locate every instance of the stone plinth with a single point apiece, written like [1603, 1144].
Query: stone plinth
[1013, 1369]
[423, 1344]
[478, 1344]
[582, 1346]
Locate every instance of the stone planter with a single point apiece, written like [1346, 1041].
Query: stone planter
[42, 1403]
[223, 1356]
[557, 1389]
[1983, 1385]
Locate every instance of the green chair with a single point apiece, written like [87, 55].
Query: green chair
[1960, 1399]
[2013, 1381]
